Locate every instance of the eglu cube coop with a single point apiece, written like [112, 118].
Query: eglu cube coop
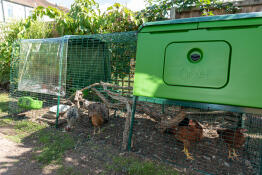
[206, 63]
[47, 71]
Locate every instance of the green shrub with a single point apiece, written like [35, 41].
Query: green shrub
[118, 18]
[19, 30]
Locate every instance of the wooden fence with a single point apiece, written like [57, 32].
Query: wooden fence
[246, 6]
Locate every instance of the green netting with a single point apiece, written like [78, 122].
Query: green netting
[43, 69]
[211, 154]
[39, 66]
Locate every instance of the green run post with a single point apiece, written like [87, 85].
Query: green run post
[60, 79]
[135, 98]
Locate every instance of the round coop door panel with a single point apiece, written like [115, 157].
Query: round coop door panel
[197, 64]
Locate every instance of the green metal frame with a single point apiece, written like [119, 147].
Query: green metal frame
[132, 123]
[60, 79]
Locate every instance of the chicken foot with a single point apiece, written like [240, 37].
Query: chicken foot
[232, 155]
[235, 155]
[229, 154]
[188, 155]
[99, 130]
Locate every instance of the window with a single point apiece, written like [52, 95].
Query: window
[10, 12]
[30, 12]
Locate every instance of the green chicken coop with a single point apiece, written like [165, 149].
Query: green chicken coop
[208, 63]
[208, 59]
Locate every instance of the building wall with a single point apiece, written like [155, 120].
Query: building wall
[246, 6]
[14, 11]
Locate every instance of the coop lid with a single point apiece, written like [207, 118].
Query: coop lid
[254, 18]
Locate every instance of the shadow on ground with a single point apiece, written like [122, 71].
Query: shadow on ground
[53, 151]
[46, 150]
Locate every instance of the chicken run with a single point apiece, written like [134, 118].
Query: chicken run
[84, 84]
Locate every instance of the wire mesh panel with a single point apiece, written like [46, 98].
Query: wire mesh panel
[95, 58]
[38, 75]
[39, 66]
[204, 140]
[44, 69]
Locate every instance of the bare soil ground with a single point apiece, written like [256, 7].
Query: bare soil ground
[8, 154]
[89, 156]
[210, 154]
[95, 154]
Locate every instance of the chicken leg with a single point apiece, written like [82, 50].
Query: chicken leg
[94, 130]
[235, 155]
[188, 155]
[99, 130]
[229, 154]
[232, 154]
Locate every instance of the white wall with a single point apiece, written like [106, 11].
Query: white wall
[14, 11]
[1, 13]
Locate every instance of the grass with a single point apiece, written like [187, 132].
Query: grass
[132, 166]
[52, 145]
[68, 171]
[21, 128]
[3, 104]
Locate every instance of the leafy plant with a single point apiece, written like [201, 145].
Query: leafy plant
[19, 30]
[157, 10]
[118, 18]
[85, 17]
[12, 31]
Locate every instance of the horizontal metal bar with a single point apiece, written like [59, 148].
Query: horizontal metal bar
[200, 105]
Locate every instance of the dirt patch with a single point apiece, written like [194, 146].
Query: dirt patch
[210, 154]
[9, 131]
[89, 156]
[10, 154]
[92, 153]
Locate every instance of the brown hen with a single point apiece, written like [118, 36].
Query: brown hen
[97, 121]
[191, 133]
[234, 138]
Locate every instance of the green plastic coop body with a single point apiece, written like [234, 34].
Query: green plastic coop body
[214, 60]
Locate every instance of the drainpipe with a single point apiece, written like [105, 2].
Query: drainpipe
[25, 11]
[3, 13]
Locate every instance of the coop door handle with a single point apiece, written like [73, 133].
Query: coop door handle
[195, 57]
